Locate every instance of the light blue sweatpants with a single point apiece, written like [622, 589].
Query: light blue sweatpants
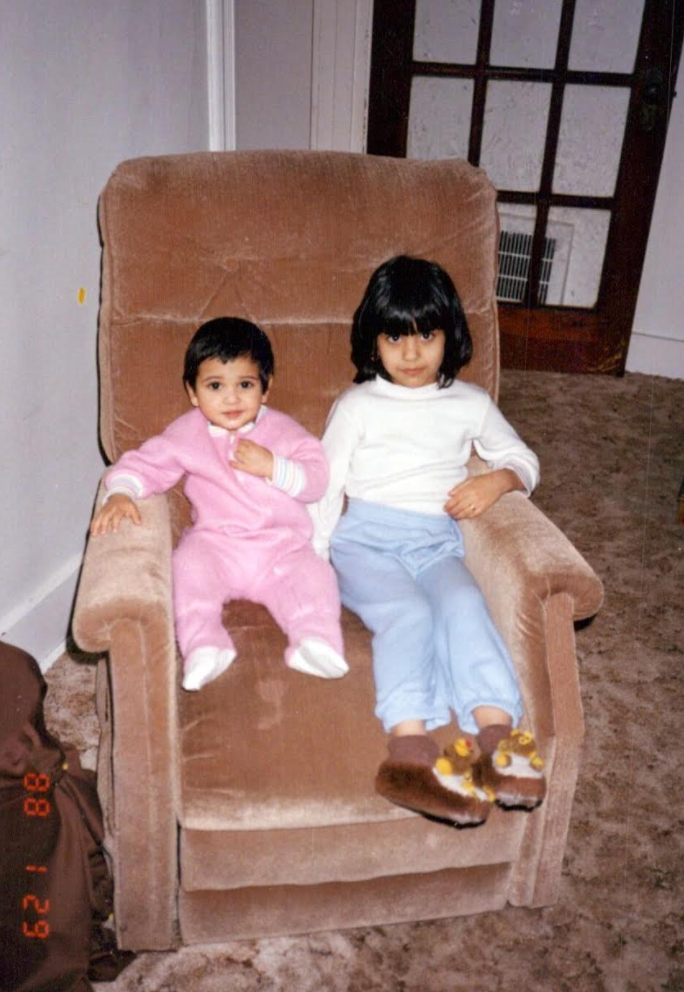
[435, 646]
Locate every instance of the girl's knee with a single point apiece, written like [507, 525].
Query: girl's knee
[466, 605]
[411, 615]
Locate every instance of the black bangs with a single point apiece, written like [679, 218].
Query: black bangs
[405, 296]
[402, 323]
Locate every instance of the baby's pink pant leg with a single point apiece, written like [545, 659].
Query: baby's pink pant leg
[301, 592]
[200, 588]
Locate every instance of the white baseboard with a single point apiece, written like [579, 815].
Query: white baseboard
[40, 624]
[656, 355]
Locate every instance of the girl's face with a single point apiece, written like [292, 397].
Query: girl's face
[229, 394]
[412, 360]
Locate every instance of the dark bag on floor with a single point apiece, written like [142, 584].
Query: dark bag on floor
[55, 886]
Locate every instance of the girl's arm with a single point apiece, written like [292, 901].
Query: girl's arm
[514, 467]
[474, 496]
[340, 438]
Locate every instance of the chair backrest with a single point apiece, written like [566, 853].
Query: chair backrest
[286, 239]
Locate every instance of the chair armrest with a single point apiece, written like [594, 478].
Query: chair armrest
[124, 606]
[125, 575]
[517, 549]
[536, 583]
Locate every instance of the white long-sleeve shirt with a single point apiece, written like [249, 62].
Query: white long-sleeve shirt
[406, 448]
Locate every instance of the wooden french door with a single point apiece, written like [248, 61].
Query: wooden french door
[565, 104]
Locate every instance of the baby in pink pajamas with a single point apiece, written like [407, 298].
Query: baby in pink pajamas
[249, 473]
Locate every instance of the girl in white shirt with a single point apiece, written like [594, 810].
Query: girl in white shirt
[398, 444]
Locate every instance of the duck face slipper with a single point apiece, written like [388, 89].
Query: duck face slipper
[415, 777]
[513, 772]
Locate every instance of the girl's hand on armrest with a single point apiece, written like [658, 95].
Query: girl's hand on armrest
[471, 498]
[112, 513]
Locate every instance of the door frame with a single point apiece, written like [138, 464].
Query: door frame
[340, 73]
[220, 22]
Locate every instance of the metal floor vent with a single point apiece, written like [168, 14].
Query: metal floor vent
[515, 249]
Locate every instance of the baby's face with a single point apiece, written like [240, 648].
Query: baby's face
[229, 394]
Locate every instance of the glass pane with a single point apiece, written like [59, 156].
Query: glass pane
[590, 140]
[514, 134]
[605, 35]
[576, 241]
[516, 223]
[439, 118]
[526, 33]
[446, 31]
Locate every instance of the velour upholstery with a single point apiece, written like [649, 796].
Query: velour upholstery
[248, 808]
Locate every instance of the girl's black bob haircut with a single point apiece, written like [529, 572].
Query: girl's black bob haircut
[227, 338]
[409, 296]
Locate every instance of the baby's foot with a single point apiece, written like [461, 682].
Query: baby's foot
[204, 665]
[513, 772]
[415, 777]
[314, 657]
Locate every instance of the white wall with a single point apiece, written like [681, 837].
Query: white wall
[657, 342]
[273, 52]
[83, 85]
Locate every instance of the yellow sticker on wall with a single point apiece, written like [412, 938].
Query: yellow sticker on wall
[81, 296]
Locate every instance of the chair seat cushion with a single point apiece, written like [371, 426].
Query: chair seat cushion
[277, 777]
[265, 747]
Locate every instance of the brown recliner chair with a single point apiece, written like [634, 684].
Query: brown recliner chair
[248, 808]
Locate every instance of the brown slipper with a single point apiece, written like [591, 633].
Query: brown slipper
[512, 773]
[412, 778]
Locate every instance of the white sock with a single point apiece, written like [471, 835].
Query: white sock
[314, 657]
[204, 665]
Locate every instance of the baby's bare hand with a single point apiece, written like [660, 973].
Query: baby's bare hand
[117, 508]
[253, 458]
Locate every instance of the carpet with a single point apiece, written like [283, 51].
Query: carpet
[612, 463]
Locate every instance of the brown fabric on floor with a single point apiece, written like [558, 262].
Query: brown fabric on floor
[55, 889]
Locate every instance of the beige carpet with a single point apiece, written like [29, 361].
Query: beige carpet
[612, 463]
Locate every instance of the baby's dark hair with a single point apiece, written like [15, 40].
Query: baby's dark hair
[227, 338]
[409, 296]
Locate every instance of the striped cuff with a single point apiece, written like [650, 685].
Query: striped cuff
[288, 476]
[125, 485]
